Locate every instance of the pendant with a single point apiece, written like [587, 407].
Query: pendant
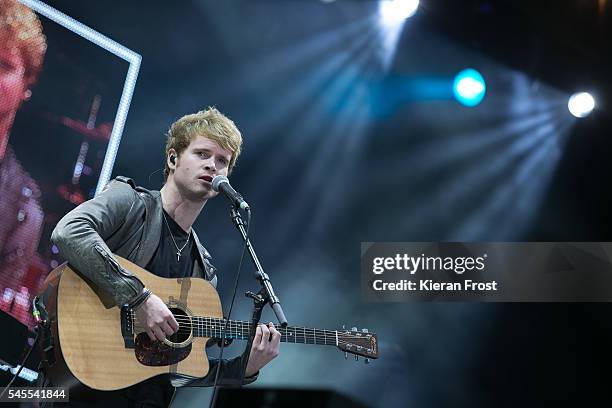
[178, 256]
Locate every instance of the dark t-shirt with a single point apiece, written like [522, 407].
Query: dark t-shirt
[164, 262]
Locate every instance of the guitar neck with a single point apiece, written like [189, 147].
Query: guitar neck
[236, 329]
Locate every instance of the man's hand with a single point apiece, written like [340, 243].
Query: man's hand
[156, 318]
[264, 349]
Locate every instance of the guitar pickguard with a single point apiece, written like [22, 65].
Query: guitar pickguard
[156, 353]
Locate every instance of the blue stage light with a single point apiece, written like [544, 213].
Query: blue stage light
[469, 87]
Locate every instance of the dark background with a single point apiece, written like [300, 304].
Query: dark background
[344, 145]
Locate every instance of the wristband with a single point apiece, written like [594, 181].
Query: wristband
[138, 300]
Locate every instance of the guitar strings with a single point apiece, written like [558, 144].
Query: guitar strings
[306, 337]
[340, 342]
[325, 340]
[285, 332]
[331, 337]
[215, 324]
[287, 339]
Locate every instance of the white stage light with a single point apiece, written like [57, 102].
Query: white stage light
[394, 12]
[581, 104]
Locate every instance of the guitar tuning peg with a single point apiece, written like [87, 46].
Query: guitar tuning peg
[364, 330]
[356, 357]
[367, 361]
[345, 355]
[353, 329]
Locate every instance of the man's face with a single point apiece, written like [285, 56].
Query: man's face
[198, 165]
[12, 80]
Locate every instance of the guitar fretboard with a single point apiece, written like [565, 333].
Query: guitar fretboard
[236, 329]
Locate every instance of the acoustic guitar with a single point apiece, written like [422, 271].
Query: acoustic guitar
[106, 349]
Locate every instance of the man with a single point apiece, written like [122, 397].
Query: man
[22, 50]
[154, 230]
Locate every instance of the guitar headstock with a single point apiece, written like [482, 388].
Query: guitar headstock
[360, 343]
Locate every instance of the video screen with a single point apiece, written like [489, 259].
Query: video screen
[59, 95]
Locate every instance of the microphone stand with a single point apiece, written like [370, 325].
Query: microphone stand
[265, 295]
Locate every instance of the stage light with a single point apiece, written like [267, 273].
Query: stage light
[392, 15]
[581, 104]
[469, 87]
[393, 12]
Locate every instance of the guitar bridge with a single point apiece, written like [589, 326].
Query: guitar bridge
[127, 327]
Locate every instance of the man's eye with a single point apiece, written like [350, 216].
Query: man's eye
[5, 66]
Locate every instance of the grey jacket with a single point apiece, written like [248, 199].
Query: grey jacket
[125, 220]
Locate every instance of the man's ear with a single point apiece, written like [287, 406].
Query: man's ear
[171, 159]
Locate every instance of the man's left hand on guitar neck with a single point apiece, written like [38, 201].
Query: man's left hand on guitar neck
[264, 349]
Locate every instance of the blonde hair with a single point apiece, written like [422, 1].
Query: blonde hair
[21, 28]
[209, 123]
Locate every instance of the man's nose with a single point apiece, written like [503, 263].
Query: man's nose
[210, 165]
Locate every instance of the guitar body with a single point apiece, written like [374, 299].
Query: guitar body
[89, 343]
[90, 349]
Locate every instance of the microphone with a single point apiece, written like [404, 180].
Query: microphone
[222, 184]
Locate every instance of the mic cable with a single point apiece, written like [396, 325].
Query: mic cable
[213, 399]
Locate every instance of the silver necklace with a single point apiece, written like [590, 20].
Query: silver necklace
[178, 250]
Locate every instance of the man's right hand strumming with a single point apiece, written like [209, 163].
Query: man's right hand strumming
[156, 318]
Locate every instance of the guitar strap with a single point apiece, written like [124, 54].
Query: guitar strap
[44, 327]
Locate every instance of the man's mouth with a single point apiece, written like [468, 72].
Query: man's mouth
[206, 178]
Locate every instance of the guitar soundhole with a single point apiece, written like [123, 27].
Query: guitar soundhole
[185, 327]
[157, 353]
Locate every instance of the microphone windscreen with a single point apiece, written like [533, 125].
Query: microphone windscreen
[217, 181]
